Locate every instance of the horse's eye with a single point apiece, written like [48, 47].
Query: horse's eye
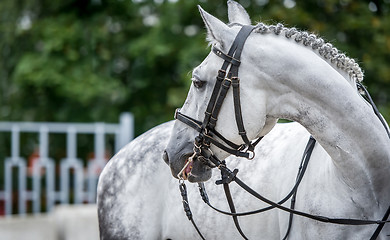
[198, 83]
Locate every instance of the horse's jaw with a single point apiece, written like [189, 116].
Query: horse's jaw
[177, 155]
[194, 172]
[199, 172]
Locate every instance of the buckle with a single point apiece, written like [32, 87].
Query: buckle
[227, 82]
[221, 73]
[177, 111]
[235, 81]
[228, 79]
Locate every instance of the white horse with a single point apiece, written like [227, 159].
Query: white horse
[139, 199]
[294, 75]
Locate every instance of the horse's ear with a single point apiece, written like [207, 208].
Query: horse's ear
[237, 13]
[217, 31]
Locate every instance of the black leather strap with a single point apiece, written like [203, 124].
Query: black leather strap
[220, 77]
[186, 207]
[233, 75]
[343, 221]
[231, 176]
[233, 209]
[235, 152]
[195, 124]
[376, 111]
[301, 172]
[218, 104]
[206, 129]
[231, 144]
[236, 48]
[233, 148]
[238, 113]
[226, 57]
[380, 226]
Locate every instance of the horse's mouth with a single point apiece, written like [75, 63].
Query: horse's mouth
[193, 170]
[196, 171]
[187, 169]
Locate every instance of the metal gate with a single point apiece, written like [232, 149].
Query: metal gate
[45, 172]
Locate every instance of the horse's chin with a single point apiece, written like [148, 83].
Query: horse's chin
[199, 173]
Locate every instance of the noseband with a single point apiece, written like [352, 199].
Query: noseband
[206, 129]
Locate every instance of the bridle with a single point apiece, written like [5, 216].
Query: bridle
[206, 129]
[207, 135]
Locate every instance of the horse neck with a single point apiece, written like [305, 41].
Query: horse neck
[308, 90]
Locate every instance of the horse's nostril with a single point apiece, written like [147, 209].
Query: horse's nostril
[165, 157]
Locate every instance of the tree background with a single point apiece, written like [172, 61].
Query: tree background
[90, 60]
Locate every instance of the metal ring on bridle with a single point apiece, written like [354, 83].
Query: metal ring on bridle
[251, 155]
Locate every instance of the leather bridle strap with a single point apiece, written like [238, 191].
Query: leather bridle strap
[233, 148]
[234, 61]
[220, 77]
[193, 123]
[213, 98]
[301, 173]
[231, 176]
[197, 125]
[233, 209]
[380, 226]
[224, 80]
[232, 79]
[226, 180]
[374, 107]
[187, 209]
[343, 221]
[237, 110]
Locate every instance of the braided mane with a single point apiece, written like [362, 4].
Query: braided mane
[326, 50]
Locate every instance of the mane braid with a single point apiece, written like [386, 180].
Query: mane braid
[326, 50]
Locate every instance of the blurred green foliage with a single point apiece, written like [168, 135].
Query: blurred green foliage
[90, 60]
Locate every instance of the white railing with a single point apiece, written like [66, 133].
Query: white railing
[84, 181]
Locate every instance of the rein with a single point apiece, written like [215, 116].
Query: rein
[228, 176]
[207, 135]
